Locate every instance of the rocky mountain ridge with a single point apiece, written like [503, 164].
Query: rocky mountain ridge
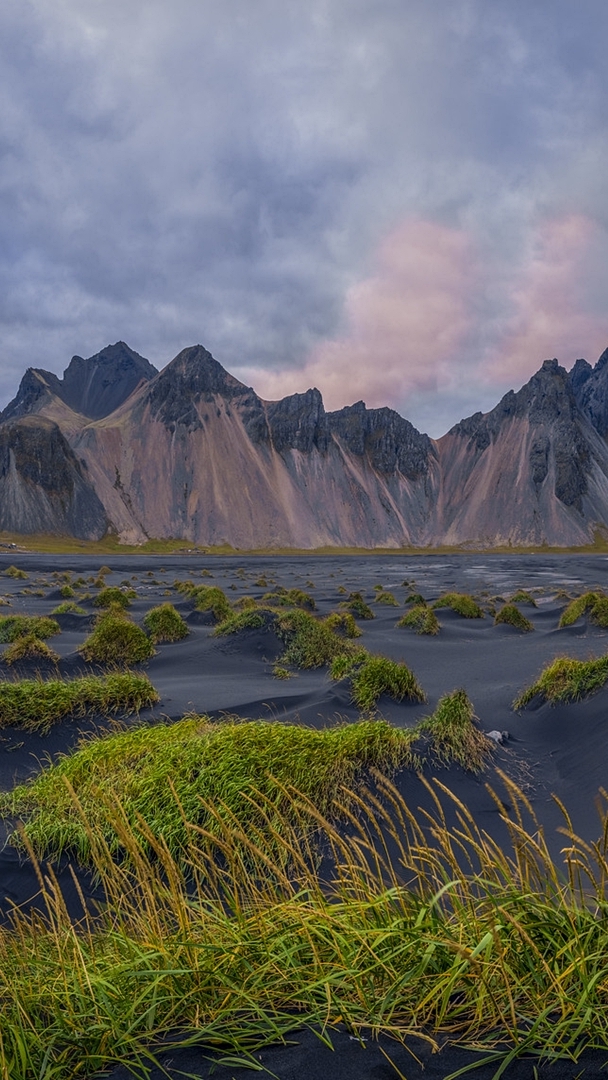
[191, 452]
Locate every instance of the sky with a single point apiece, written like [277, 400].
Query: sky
[400, 201]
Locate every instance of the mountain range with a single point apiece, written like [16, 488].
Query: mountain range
[190, 452]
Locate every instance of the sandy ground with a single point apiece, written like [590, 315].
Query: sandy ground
[559, 750]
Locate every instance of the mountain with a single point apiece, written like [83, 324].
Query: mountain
[191, 452]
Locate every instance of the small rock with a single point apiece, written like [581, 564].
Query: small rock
[497, 736]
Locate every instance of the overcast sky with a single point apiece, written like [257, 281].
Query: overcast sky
[403, 201]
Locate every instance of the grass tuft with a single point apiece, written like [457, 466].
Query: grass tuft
[68, 607]
[512, 616]
[357, 606]
[453, 735]
[343, 623]
[523, 597]
[211, 598]
[387, 598]
[373, 676]
[29, 647]
[15, 572]
[422, 619]
[164, 623]
[290, 598]
[16, 626]
[116, 640]
[112, 596]
[249, 619]
[461, 603]
[566, 680]
[36, 704]
[310, 643]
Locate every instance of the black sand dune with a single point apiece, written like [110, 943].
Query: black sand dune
[550, 749]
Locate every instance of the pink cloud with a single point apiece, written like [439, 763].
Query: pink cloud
[404, 325]
[551, 314]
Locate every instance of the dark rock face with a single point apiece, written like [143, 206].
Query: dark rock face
[590, 387]
[298, 422]
[94, 387]
[194, 377]
[42, 485]
[98, 385]
[389, 442]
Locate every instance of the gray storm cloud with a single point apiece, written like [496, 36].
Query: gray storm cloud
[402, 201]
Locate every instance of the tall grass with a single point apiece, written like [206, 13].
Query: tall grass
[117, 641]
[373, 676]
[438, 933]
[36, 704]
[594, 604]
[15, 626]
[159, 774]
[566, 680]
[420, 618]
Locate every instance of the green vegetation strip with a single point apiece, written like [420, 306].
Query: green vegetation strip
[594, 604]
[34, 704]
[496, 948]
[566, 680]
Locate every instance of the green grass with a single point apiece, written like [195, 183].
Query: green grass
[37, 704]
[512, 616]
[373, 676]
[29, 647]
[453, 735]
[357, 606]
[164, 623]
[343, 623]
[444, 936]
[415, 598]
[310, 643]
[248, 619]
[164, 773]
[211, 598]
[566, 680]
[15, 572]
[290, 598]
[116, 641]
[420, 618]
[68, 607]
[16, 626]
[523, 597]
[593, 604]
[112, 596]
[461, 603]
[387, 598]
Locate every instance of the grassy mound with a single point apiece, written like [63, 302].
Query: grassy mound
[68, 607]
[251, 618]
[16, 626]
[566, 680]
[112, 596]
[499, 948]
[387, 598]
[453, 735]
[15, 572]
[415, 598]
[357, 606]
[35, 705]
[593, 604]
[372, 676]
[290, 598]
[343, 623]
[422, 619]
[512, 616]
[29, 647]
[309, 642]
[461, 603]
[159, 774]
[116, 640]
[164, 623]
[211, 598]
[523, 597]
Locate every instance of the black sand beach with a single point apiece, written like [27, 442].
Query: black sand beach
[550, 749]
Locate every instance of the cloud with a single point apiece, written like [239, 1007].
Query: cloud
[405, 325]
[551, 301]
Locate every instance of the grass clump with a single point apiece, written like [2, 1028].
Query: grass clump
[36, 704]
[29, 647]
[453, 735]
[523, 597]
[420, 618]
[211, 598]
[593, 604]
[343, 623]
[357, 606]
[290, 598]
[387, 598]
[461, 603]
[566, 680]
[164, 623]
[165, 773]
[373, 676]
[116, 640]
[15, 572]
[16, 626]
[248, 619]
[310, 642]
[113, 596]
[512, 616]
[68, 607]
[415, 598]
